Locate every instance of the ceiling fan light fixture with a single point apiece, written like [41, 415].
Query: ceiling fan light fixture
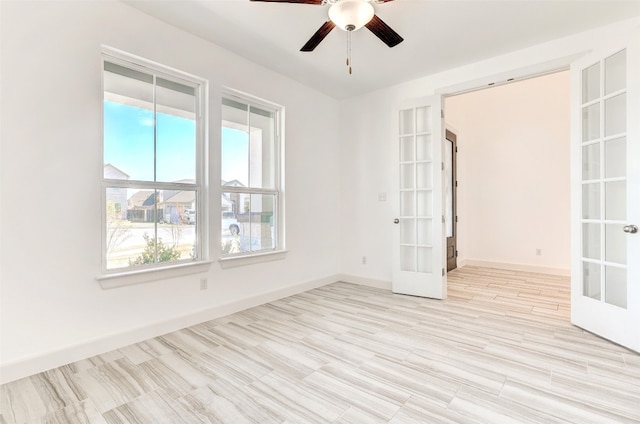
[351, 15]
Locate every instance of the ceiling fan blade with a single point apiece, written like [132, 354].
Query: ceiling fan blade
[384, 32]
[316, 38]
[293, 1]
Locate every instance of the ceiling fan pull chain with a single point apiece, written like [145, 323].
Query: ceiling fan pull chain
[349, 51]
[348, 34]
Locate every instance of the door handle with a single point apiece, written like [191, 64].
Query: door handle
[631, 229]
[396, 221]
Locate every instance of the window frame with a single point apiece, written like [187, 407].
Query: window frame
[129, 275]
[278, 163]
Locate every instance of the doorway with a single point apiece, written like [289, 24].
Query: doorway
[513, 168]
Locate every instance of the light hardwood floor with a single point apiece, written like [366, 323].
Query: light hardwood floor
[499, 350]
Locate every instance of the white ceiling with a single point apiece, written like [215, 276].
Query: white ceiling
[439, 34]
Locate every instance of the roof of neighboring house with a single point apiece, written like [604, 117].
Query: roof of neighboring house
[111, 171]
[151, 200]
[232, 183]
[186, 196]
[142, 198]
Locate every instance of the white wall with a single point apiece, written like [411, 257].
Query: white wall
[367, 126]
[513, 172]
[53, 310]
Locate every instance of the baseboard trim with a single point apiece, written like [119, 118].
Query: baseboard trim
[27, 366]
[566, 272]
[363, 281]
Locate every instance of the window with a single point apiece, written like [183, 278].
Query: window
[251, 218]
[153, 168]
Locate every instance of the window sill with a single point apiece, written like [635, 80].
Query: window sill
[121, 279]
[235, 261]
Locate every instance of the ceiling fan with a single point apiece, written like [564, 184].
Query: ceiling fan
[349, 15]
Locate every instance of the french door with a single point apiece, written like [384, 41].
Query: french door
[605, 291]
[419, 238]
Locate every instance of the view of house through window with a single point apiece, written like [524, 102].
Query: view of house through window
[150, 180]
[250, 177]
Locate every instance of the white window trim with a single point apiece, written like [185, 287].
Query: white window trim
[123, 276]
[280, 251]
[138, 276]
[252, 258]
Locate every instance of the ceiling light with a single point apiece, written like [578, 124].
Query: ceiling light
[351, 15]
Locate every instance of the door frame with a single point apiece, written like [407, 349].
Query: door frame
[452, 137]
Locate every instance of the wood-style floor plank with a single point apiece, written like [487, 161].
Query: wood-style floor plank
[500, 349]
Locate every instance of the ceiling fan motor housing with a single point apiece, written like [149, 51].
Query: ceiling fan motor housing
[351, 15]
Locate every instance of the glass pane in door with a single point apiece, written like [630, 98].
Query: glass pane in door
[615, 116]
[604, 188]
[615, 200]
[408, 258]
[591, 201]
[591, 280]
[425, 234]
[615, 158]
[424, 259]
[407, 203]
[424, 203]
[424, 175]
[615, 244]
[407, 176]
[615, 72]
[591, 162]
[407, 231]
[591, 241]
[423, 147]
[407, 149]
[615, 287]
[591, 122]
[591, 83]
[416, 190]
[406, 122]
[423, 124]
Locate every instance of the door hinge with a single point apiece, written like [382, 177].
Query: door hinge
[443, 272]
[456, 184]
[456, 218]
[456, 150]
[456, 253]
[443, 219]
[442, 163]
[441, 113]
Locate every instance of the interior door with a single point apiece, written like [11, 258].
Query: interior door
[605, 292]
[418, 249]
[450, 197]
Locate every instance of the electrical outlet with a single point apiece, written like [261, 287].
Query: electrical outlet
[364, 260]
[538, 252]
[204, 284]
[382, 197]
